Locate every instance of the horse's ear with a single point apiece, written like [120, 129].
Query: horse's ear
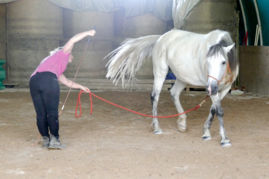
[229, 48]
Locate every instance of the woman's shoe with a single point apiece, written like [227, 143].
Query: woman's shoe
[45, 141]
[55, 143]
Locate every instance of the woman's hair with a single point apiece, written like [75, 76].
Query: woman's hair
[55, 50]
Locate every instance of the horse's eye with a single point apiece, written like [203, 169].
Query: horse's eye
[223, 63]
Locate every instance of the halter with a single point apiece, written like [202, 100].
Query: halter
[227, 71]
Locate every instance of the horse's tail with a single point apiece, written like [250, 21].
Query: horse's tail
[181, 10]
[127, 59]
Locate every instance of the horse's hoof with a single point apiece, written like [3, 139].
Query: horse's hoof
[182, 129]
[158, 132]
[226, 144]
[205, 138]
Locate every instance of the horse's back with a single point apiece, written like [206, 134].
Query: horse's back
[185, 53]
[177, 36]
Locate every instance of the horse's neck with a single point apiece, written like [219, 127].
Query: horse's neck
[216, 36]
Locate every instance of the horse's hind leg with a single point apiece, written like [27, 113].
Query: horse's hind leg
[159, 77]
[157, 87]
[175, 93]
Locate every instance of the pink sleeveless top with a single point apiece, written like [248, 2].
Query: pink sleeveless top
[56, 64]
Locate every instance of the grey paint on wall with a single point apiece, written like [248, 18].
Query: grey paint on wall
[2, 31]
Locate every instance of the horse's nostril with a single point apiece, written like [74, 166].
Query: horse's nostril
[214, 90]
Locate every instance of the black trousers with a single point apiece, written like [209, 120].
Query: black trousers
[45, 92]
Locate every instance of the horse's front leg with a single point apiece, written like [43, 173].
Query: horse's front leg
[217, 110]
[225, 142]
[208, 122]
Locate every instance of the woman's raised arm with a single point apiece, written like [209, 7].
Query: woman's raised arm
[70, 43]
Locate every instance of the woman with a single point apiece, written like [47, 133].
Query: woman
[45, 91]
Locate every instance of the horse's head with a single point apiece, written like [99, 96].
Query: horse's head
[218, 63]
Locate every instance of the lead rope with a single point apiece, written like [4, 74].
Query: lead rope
[124, 108]
[75, 77]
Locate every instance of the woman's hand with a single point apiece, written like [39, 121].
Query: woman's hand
[70, 44]
[91, 32]
[72, 84]
[84, 88]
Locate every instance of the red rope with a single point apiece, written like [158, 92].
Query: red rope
[122, 107]
[245, 39]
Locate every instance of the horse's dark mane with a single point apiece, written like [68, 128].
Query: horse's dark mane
[215, 49]
[218, 49]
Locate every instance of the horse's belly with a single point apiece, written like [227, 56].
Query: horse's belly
[188, 75]
[191, 80]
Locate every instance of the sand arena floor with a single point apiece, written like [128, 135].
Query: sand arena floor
[113, 143]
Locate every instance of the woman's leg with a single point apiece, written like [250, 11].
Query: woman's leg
[50, 96]
[41, 115]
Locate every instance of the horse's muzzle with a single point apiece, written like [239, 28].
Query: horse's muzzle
[212, 89]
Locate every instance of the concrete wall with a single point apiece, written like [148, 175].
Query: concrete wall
[33, 33]
[141, 26]
[37, 26]
[89, 55]
[2, 31]
[112, 29]
[34, 27]
[213, 14]
[254, 69]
